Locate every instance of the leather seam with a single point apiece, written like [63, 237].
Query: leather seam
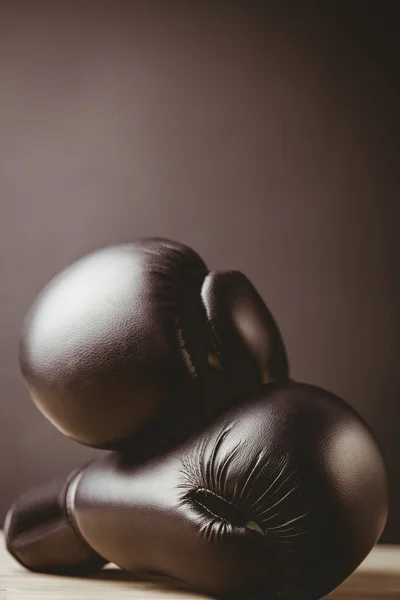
[219, 517]
[69, 494]
[204, 489]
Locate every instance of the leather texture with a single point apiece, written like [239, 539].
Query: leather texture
[141, 334]
[282, 497]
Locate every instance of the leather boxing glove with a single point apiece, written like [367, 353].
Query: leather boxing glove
[141, 333]
[284, 495]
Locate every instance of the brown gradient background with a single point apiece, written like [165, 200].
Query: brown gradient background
[268, 139]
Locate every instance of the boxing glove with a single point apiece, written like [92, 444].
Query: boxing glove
[141, 333]
[282, 497]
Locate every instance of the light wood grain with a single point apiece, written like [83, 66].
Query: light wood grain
[378, 578]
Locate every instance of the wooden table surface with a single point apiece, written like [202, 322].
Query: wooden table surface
[378, 578]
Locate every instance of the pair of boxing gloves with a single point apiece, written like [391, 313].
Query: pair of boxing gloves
[223, 472]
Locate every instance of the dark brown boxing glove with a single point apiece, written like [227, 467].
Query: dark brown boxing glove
[142, 339]
[282, 497]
